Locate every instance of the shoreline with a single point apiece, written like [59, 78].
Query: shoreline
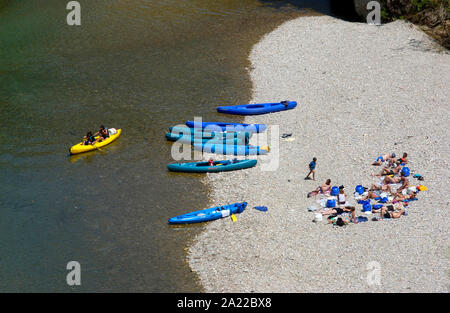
[361, 91]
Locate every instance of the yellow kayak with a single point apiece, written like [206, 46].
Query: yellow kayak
[80, 148]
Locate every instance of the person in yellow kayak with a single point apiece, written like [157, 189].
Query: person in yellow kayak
[102, 133]
[89, 139]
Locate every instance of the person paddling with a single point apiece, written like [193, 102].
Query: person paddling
[102, 133]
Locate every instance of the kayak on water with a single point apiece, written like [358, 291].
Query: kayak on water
[81, 147]
[219, 166]
[254, 109]
[181, 138]
[219, 126]
[231, 149]
[209, 214]
[205, 133]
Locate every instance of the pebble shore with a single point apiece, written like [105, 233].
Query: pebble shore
[362, 90]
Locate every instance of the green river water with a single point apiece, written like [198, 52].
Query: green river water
[137, 65]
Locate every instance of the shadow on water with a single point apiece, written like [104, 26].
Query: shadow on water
[343, 9]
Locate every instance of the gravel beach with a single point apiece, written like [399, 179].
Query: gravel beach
[362, 91]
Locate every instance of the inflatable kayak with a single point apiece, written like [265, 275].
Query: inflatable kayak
[205, 134]
[206, 139]
[209, 214]
[80, 148]
[219, 166]
[218, 126]
[231, 149]
[254, 109]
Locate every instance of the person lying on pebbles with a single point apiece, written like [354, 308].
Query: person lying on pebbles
[391, 211]
[339, 211]
[383, 158]
[384, 184]
[401, 197]
[325, 188]
[388, 170]
[370, 195]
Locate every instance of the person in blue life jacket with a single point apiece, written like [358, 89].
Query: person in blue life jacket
[312, 169]
[89, 139]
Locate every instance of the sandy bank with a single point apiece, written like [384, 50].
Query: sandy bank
[362, 90]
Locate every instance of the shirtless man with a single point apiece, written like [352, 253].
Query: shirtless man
[390, 171]
[404, 181]
[384, 184]
[325, 188]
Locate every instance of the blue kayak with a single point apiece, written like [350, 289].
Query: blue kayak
[254, 109]
[219, 126]
[199, 132]
[209, 214]
[231, 149]
[206, 139]
[219, 166]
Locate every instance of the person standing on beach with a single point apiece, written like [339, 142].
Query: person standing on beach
[312, 169]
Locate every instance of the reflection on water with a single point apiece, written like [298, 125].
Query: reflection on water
[137, 65]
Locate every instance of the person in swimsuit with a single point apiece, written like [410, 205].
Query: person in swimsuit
[102, 133]
[401, 197]
[384, 184]
[404, 158]
[382, 158]
[370, 195]
[391, 212]
[337, 211]
[89, 139]
[404, 181]
[389, 170]
[341, 196]
[325, 188]
[312, 169]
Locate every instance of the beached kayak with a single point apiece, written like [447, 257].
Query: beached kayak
[206, 139]
[219, 166]
[205, 134]
[254, 109]
[231, 149]
[209, 214]
[80, 148]
[219, 126]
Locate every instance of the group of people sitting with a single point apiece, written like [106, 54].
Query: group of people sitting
[90, 139]
[393, 202]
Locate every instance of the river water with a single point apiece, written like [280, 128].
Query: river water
[138, 65]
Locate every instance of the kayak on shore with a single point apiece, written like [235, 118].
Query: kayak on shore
[206, 139]
[209, 214]
[231, 149]
[81, 147]
[255, 109]
[219, 166]
[219, 126]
